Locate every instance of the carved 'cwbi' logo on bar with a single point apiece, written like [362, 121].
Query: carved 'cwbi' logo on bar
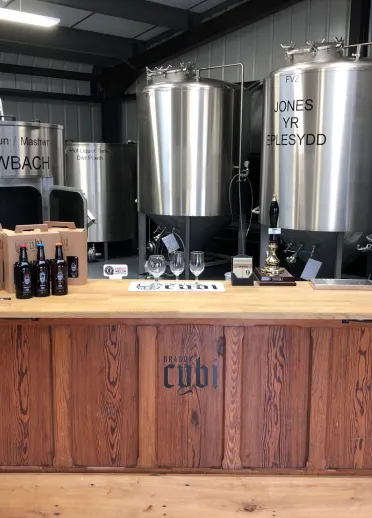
[187, 377]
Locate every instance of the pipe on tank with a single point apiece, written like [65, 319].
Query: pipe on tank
[239, 167]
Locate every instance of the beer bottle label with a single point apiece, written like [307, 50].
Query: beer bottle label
[73, 267]
[60, 281]
[42, 286]
[26, 281]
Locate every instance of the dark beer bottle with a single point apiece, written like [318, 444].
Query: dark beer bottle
[41, 274]
[23, 275]
[59, 273]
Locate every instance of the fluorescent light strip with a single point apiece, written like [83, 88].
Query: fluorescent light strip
[10, 15]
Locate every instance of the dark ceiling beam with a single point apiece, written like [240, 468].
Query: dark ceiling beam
[31, 94]
[67, 39]
[9, 68]
[226, 4]
[203, 16]
[62, 55]
[136, 10]
[237, 17]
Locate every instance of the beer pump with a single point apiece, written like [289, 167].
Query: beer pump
[272, 273]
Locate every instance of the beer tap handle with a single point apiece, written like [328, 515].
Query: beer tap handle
[274, 212]
[274, 216]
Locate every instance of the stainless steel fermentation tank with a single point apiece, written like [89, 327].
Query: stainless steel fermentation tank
[32, 173]
[188, 145]
[31, 150]
[317, 152]
[106, 173]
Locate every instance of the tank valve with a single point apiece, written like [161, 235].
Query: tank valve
[93, 254]
[287, 48]
[293, 259]
[288, 248]
[367, 248]
[244, 173]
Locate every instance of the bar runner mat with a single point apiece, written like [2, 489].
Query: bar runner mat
[186, 287]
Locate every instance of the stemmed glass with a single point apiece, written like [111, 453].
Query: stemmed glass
[177, 264]
[156, 266]
[197, 264]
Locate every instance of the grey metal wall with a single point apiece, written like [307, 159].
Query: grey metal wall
[82, 121]
[257, 46]
[129, 121]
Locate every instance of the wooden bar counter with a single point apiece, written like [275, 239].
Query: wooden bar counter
[267, 380]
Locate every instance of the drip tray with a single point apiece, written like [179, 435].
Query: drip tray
[341, 284]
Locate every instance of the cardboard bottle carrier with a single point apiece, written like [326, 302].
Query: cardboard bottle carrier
[75, 242]
[31, 236]
[1, 259]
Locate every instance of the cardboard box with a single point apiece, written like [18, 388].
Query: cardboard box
[29, 235]
[1, 259]
[75, 244]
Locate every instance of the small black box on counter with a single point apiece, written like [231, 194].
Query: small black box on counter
[242, 271]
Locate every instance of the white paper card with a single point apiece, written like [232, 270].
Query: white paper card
[242, 267]
[184, 287]
[170, 242]
[275, 231]
[311, 269]
[115, 271]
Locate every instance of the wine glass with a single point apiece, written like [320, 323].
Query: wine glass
[156, 266]
[197, 264]
[177, 264]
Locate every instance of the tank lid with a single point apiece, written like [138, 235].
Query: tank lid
[31, 124]
[314, 51]
[184, 72]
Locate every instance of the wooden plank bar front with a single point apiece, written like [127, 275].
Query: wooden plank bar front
[109, 380]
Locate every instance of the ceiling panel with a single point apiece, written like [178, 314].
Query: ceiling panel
[208, 4]
[197, 6]
[67, 15]
[113, 26]
[181, 4]
[152, 33]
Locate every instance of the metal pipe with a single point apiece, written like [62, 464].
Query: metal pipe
[1, 110]
[357, 45]
[241, 66]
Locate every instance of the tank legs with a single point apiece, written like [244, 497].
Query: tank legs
[339, 249]
[187, 249]
[142, 224]
[264, 243]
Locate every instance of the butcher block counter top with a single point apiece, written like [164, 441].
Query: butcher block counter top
[111, 299]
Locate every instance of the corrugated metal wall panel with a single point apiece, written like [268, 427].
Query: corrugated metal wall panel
[129, 121]
[44, 84]
[257, 46]
[82, 121]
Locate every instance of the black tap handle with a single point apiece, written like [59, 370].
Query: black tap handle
[274, 212]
